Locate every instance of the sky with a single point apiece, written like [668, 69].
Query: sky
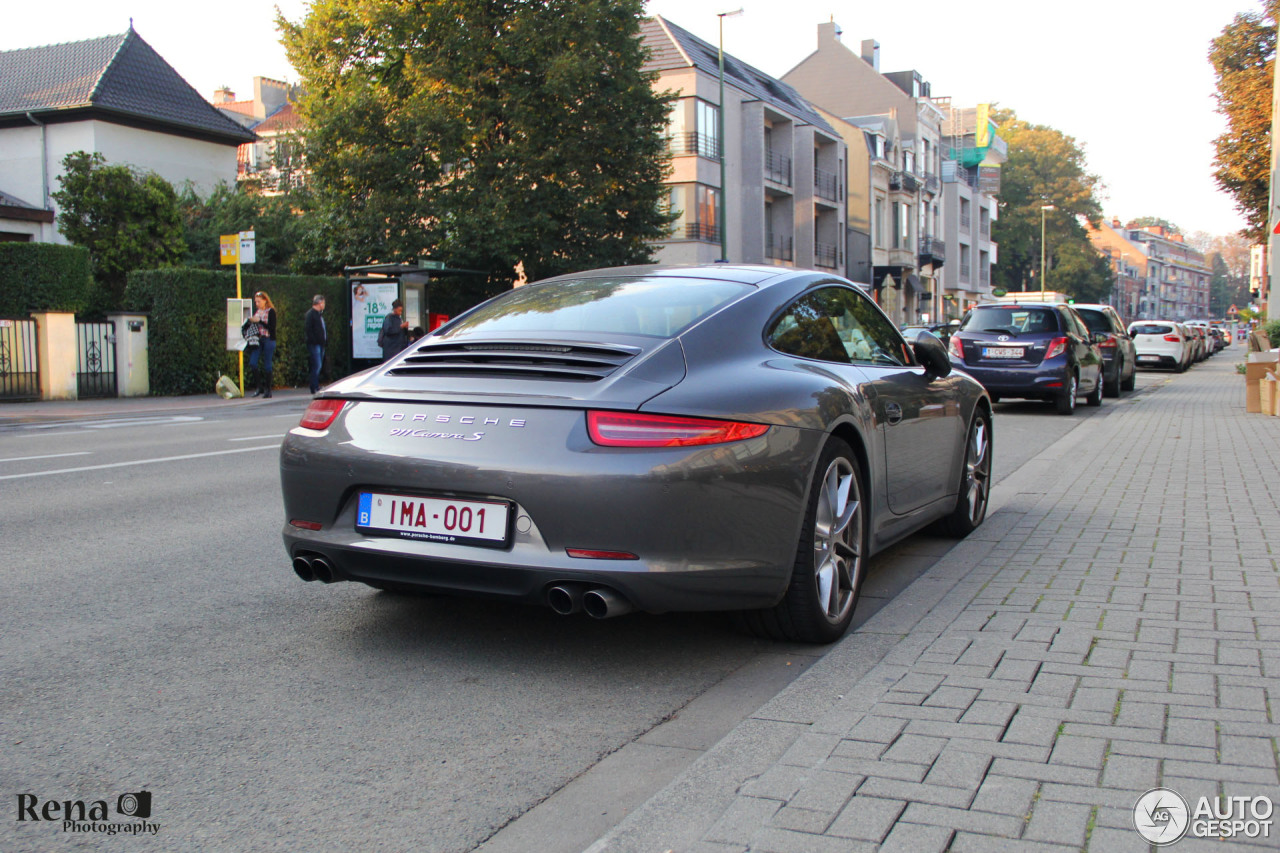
[1128, 79]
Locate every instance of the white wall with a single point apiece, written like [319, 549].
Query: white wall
[176, 159]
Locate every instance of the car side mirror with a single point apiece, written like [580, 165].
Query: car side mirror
[931, 354]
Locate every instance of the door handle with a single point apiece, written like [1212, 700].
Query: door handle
[892, 413]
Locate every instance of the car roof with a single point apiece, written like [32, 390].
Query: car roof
[754, 274]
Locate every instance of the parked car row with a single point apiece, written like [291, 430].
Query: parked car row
[1174, 345]
[1046, 351]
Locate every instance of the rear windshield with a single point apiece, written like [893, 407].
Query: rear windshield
[1010, 320]
[659, 306]
[1095, 319]
[1149, 329]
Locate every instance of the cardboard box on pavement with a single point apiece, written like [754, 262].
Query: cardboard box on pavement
[1267, 394]
[1260, 364]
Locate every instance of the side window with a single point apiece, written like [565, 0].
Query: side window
[840, 325]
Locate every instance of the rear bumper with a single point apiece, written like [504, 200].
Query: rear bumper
[1040, 383]
[713, 528]
[1152, 359]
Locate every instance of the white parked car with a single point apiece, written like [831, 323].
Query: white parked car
[1161, 343]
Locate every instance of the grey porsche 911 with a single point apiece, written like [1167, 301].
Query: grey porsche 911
[643, 438]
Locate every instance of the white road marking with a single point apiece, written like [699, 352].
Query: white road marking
[248, 438]
[137, 462]
[46, 456]
[116, 422]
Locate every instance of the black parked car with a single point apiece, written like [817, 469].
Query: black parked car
[1119, 358]
[1036, 351]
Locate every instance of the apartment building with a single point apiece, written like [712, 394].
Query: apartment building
[274, 159]
[1159, 276]
[972, 156]
[784, 191]
[915, 244]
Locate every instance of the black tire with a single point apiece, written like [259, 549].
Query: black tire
[1131, 381]
[826, 577]
[1094, 398]
[1066, 401]
[1111, 387]
[975, 480]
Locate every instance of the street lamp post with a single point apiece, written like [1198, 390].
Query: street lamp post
[724, 232]
[1044, 208]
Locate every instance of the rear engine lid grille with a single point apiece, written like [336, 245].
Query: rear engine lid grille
[517, 360]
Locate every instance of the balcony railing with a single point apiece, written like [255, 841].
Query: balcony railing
[984, 276]
[702, 231]
[932, 251]
[701, 144]
[932, 184]
[777, 168]
[984, 228]
[953, 172]
[826, 185]
[904, 181]
[964, 273]
[779, 248]
[825, 255]
[965, 221]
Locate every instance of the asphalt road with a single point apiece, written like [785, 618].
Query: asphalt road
[156, 639]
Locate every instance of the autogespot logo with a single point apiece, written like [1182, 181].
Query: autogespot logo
[1161, 816]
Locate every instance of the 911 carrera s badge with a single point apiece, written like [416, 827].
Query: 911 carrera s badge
[401, 432]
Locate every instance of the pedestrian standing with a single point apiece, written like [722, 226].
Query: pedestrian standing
[261, 360]
[317, 338]
[395, 331]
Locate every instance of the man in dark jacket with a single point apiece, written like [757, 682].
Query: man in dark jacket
[317, 338]
[395, 331]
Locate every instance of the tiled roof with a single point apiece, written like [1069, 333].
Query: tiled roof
[283, 120]
[672, 47]
[243, 107]
[7, 200]
[120, 74]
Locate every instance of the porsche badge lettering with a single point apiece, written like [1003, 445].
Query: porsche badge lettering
[409, 432]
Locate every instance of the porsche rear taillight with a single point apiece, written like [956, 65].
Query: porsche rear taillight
[629, 429]
[1057, 346]
[956, 348]
[321, 413]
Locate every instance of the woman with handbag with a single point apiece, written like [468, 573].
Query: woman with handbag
[265, 319]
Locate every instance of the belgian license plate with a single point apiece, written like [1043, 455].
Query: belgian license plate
[447, 520]
[1002, 352]
[1148, 358]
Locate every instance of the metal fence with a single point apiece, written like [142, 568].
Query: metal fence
[95, 360]
[19, 361]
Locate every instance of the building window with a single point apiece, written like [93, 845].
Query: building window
[964, 214]
[897, 225]
[709, 128]
[703, 138]
[878, 225]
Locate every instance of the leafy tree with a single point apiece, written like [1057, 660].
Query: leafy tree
[277, 226]
[1046, 166]
[1242, 58]
[1226, 288]
[126, 219]
[480, 132]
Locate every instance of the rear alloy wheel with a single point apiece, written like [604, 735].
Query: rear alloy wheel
[1095, 396]
[830, 557]
[1066, 401]
[975, 480]
[1111, 387]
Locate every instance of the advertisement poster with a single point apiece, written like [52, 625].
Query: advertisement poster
[370, 304]
[238, 310]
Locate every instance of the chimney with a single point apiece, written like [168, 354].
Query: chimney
[1115, 222]
[871, 53]
[829, 33]
[224, 96]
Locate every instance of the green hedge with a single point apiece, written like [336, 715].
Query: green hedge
[44, 277]
[187, 329]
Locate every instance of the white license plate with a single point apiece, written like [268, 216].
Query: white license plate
[1002, 352]
[1148, 358]
[447, 520]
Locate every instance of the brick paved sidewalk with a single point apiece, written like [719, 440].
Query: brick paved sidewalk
[1113, 627]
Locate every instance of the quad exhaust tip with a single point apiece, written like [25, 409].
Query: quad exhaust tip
[313, 567]
[604, 603]
[565, 599]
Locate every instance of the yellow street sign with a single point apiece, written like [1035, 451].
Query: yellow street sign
[229, 248]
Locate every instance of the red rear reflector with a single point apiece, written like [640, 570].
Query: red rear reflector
[622, 429]
[1057, 346]
[305, 525]
[1053, 384]
[589, 554]
[321, 413]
